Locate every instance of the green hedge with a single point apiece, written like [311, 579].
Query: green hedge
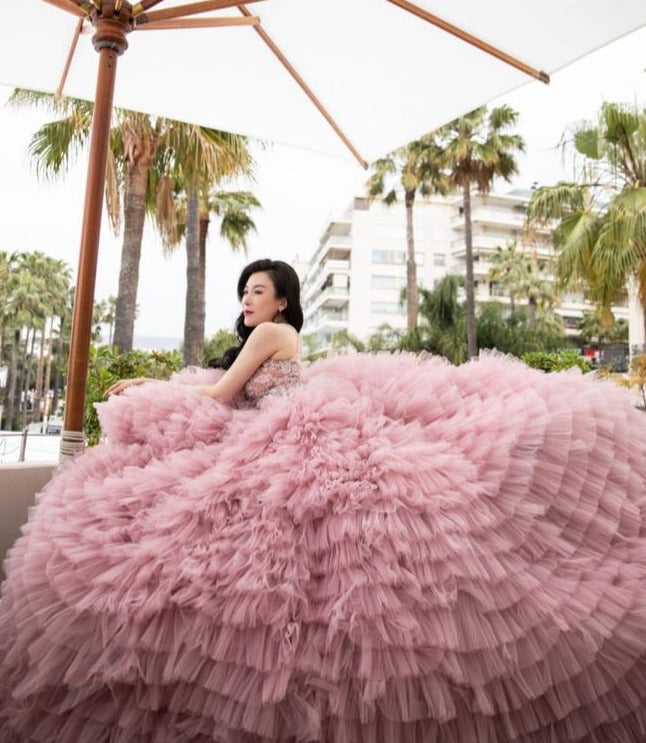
[555, 361]
[107, 366]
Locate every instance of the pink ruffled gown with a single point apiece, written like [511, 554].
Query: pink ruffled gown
[395, 551]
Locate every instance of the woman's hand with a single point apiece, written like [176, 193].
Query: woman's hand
[123, 384]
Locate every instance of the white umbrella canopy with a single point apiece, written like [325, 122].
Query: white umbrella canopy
[380, 72]
[385, 75]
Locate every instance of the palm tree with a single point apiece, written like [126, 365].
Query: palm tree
[478, 148]
[418, 167]
[5, 274]
[57, 309]
[64, 313]
[49, 279]
[98, 312]
[57, 277]
[593, 328]
[142, 148]
[506, 269]
[537, 288]
[24, 303]
[203, 158]
[109, 317]
[443, 319]
[524, 277]
[134, 140]
[232, 208]
[135, 143]
[600, 219]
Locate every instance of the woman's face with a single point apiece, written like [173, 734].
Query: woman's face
[259, 301]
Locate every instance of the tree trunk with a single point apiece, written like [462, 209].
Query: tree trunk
[412, 291]
[201, 288]
[512, 303]
[134, 214]
[38, 391]
[28, 364]
[12, 383]
[193, 341]
[58, 382]
[531, 307]
[472, 343]
[48, 368]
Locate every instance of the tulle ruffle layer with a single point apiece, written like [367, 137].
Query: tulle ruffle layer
[401, 552]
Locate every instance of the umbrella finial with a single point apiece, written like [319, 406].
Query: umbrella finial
[111, 34]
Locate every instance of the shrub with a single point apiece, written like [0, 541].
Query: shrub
[555, 361]
[107, 366]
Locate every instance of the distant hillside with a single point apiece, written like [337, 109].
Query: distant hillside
[155, 343]
[152, 343]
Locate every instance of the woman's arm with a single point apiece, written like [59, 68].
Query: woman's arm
[266, 340]
[123, 384]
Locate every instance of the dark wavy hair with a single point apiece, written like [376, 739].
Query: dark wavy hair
[286, 285]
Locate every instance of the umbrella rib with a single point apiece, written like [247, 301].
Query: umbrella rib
[68, 6]
[143, 6]
[198, 23]
[70, 56]
[189, 9]
[470, 39]
[304, 86]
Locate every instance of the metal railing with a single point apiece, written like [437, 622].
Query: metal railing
[26, 445]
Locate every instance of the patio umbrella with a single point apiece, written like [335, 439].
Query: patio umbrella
[340, 76]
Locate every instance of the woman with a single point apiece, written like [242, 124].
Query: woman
[394, 551]
[269, 293]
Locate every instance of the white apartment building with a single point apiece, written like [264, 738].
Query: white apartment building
[354, 279]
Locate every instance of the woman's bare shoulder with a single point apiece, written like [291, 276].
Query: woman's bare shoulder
[283, 336]
[276, 330]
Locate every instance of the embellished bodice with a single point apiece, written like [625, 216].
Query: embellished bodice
[274, 377]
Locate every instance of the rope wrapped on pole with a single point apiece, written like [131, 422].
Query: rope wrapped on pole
[72, 443]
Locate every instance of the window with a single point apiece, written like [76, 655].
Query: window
[388, 256]
[388, 282]
[396, 257]
[386, 308]
[439, 259]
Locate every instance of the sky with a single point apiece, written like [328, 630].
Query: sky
[300, 191]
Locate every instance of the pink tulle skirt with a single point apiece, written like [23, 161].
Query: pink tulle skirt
[402, 551]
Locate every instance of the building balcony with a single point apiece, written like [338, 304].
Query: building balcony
[336, 247]
[333, 247]
[490, 243]
[489, 216]
[331, 297]
[320, 275]
[326, 321]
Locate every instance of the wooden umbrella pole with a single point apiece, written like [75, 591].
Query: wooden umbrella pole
[110, 42]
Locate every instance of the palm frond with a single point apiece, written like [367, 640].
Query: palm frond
[587, 142]
[555, 202]
[113, 192]
[576, 237]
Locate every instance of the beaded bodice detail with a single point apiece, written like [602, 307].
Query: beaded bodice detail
[274, 377]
